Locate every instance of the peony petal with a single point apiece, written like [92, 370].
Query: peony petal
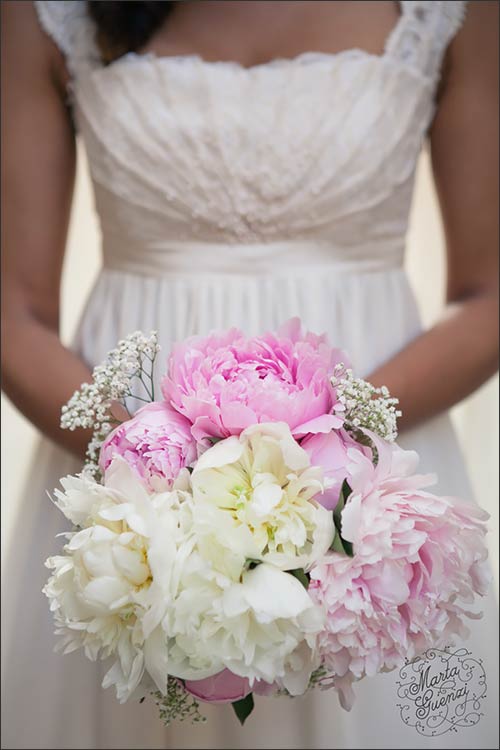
[224, 452]
[224, 687]
[322, 424]
[264, 498]
[102, 592]
[272, 594]
[156, 659]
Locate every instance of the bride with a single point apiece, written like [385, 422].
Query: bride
[250, 161]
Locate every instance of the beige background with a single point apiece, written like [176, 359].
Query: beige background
[476, 418]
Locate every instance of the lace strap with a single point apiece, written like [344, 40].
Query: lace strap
[69, 25]
[425, 29]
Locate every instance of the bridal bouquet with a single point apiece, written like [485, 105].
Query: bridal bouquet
[256, 530]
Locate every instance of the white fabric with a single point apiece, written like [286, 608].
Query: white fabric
[233, 196]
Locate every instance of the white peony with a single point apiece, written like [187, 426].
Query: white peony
[82, 498]
[254, 499]
[161, 583]
[262, 628]
[98, 589]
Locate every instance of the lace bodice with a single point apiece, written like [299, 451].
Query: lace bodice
[322, 147]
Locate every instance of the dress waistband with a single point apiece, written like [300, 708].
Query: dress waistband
[174, 258]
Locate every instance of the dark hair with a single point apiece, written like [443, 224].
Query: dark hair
[126, 26]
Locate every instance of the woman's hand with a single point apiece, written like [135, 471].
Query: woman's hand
[456, 356]
[38, 170]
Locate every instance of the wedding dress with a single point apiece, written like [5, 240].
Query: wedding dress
[239, 196]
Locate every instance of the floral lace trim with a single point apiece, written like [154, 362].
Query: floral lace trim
[428, 27]
[418, 40]
[304, 58]
[73, 31]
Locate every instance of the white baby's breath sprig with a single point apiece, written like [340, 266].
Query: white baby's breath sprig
[129, 366]
[364, 406]
[178, 704]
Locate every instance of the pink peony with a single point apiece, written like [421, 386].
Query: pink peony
[226, 382]
[224, 687]
[157, 443]
[330, 450]
[415, 556]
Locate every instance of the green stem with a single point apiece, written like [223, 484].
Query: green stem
[139, 398]
[146, 387]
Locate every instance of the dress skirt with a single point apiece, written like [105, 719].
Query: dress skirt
[55, 701]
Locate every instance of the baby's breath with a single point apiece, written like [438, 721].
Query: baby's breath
[131, 363]
[177, 704]
[364, 406]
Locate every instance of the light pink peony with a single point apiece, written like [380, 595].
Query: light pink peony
[329, 450]
[224, 687]
[157, 443]
[226, 382]
[415, 556]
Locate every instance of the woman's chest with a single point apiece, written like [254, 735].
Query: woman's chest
[252, 34]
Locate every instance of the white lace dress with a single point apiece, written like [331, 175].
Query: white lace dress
[234, 196]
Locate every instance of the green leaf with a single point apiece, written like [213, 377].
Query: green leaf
[348, 548]
[345, 490]
[243, 708]
[300, 576]
[341, 545]
[337, 513]
[337, 545]
[214, 440]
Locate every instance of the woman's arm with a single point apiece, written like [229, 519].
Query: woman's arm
[38, 170]
[457, 355]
